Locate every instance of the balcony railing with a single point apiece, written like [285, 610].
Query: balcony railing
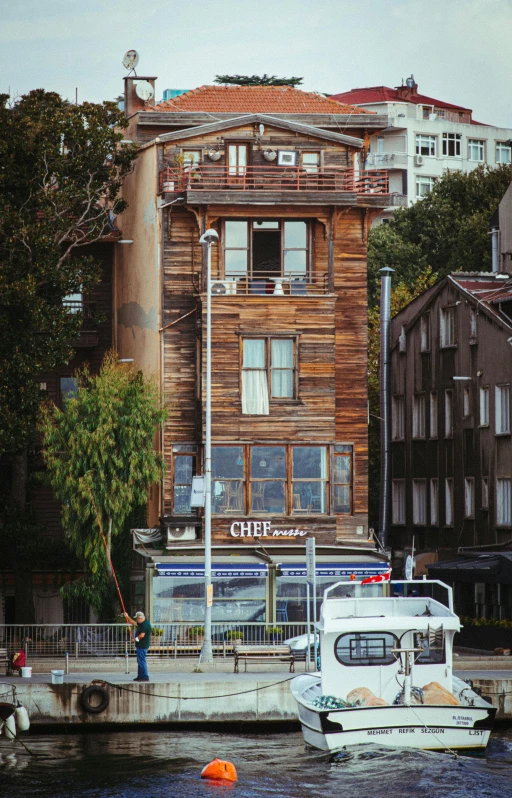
[386, 160]
[270, 283]
[203, 177]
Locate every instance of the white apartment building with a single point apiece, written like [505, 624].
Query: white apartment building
[425, 139]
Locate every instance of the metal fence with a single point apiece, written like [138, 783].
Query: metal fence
[115, 640]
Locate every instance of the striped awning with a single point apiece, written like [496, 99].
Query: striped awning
[361, 570]
[219, 570]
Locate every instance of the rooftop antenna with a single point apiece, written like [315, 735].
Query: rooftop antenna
[130, 61]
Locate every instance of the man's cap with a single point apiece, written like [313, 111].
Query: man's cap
[139, 614]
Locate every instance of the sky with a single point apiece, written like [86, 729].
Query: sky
[458, 50]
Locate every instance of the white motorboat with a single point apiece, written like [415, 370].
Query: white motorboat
[386, 672]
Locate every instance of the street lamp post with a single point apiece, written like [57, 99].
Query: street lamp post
[207, 239]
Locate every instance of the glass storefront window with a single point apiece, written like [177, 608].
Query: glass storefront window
[181, 599]
[291, 595]
[227, 479]
[268, 479]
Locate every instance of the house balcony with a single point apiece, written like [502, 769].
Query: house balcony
[295, 284]
[386, 160]
[206, 184]
[87, 336]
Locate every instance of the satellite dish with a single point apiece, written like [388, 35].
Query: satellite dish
[144, 90]
[409, 568]
[131, 59]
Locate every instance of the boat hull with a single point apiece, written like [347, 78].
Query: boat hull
[426, 727]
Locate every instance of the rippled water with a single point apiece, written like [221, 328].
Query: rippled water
[154, 764]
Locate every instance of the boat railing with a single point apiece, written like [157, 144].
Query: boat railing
[403, 588]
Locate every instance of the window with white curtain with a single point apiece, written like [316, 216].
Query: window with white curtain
[398, 501]
[418, 415]
[398, 417]
[448, 502]
[484, 407]
[254, 378]
[502, 409]
[433, 414]
[448, 414]
[447, 326]
[469, 497]
[425, 332]
[503, 508]
[485, 493]
[434, 502]
[419, 501]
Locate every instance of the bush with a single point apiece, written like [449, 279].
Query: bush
[195, 631]
[234, 634]
[486, 622]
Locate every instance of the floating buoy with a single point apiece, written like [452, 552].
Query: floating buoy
[218, 769]
[10, 728]
[22, 719]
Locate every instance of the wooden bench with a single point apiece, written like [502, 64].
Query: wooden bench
[263, 653]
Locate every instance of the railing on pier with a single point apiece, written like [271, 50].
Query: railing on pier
[169, 640]
[205, 177]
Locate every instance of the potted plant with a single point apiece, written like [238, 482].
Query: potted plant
[235, 635]
[196, 633]
[274, 633]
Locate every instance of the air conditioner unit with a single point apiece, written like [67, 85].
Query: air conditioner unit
[175, 533]
[224, 287]
[419, 160]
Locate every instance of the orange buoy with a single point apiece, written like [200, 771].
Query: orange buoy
[218, 769]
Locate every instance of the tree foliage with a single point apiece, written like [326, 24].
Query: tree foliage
[61, 169]
[101, 463]
[447, 230]
[257, 80]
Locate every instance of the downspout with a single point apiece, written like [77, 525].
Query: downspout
[385, 414]
[495, 256]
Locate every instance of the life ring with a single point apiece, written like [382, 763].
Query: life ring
[94, 709]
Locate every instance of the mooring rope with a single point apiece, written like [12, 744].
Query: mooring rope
[196, 697]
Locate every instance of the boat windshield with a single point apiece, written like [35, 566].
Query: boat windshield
[406, 589]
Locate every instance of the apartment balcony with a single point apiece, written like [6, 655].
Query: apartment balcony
[205, 184]
[295, 284]
[386, 160]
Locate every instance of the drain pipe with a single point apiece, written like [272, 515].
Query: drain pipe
[385, 408]
[495, 258]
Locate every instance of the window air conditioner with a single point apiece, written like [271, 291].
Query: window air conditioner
[419, 160]
[175, 533]
[224, 287]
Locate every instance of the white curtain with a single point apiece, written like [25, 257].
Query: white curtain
[254, 379]
[282, 368]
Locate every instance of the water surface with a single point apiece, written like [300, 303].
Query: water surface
[154, 764]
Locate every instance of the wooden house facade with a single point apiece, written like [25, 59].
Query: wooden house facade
[292, 210]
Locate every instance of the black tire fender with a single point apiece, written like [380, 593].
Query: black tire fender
[85, 699]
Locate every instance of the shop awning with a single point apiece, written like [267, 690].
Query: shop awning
[361, 570]
[494, 567]
[219, 570]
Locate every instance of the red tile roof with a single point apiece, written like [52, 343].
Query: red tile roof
[489, 289]
[381, 94]
[255, 100]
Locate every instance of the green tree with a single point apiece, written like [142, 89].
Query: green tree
[401, 295]
[257, 80]
[101, 463]
[447, 230]
[61, 169]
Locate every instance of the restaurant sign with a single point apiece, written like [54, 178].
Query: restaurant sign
[263, 529]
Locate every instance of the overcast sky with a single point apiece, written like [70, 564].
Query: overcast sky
[458, 50]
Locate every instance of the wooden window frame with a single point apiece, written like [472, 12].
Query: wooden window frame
[484, 391]
[419, 425]
[189, 450]
[499, 391]
[349, 454]
[433, 501]
[268, 367]
[425, 333]
[433, 415]
[419, 491]
[250, 231]
[446, 341]
[448, 492]
[469, 497]
[395, 520]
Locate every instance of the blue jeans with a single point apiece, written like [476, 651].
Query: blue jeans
[142, 672]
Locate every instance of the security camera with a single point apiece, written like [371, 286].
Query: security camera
[209, 236]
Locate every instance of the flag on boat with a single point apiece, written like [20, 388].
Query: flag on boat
[377, 578]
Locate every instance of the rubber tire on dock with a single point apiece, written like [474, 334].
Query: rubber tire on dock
[94, 709]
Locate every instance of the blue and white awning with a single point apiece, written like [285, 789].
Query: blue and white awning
[360, 570]
[219, 570]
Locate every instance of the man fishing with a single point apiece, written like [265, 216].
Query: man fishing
[142, 641]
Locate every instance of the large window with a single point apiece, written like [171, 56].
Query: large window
[424, 185]
[425, 145]
[476, 150]
[425, 332]
[366, 648]
[419, 502]
[267, 249]
[418, 415]
[503, 152]
[484, 407]
[502, 409]
[433, 414]
[448, 502]
[451, 144]
[282, 480]
[398, 500]
[184, 468]
[447, 326]
[398, 418]
[268, 372]
[503, 504]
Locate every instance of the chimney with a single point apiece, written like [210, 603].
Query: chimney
[132, 101]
